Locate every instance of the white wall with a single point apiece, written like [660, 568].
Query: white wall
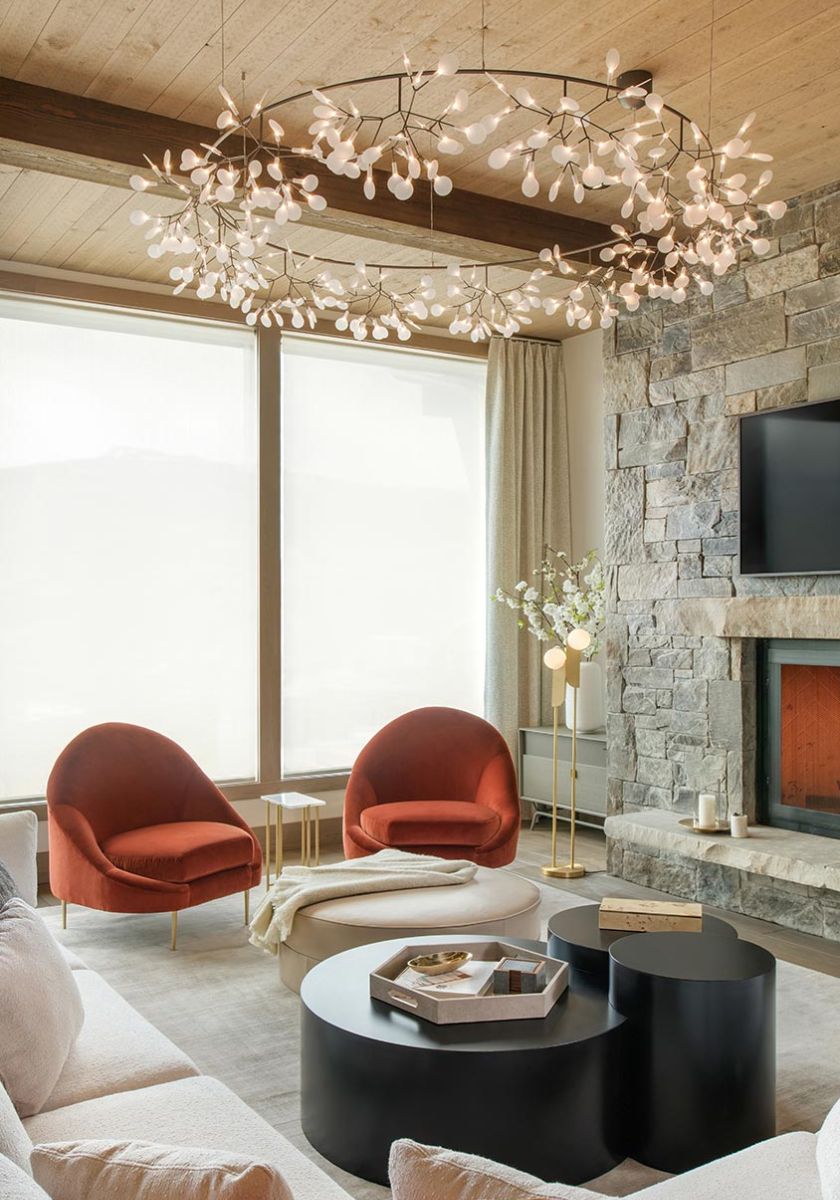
[585, 400]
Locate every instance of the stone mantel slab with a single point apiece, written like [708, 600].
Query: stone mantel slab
[753, 616]
[776, 853]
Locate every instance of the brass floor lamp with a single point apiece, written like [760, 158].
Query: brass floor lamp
[565, 669]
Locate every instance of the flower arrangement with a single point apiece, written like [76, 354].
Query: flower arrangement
[568, 596]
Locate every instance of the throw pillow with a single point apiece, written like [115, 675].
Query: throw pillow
[828, 1154]
[14, 1140]
[19, 851]
[41, 1007]
[16, 1184]
[420, 1172]
[146, 1171]
[8, 887]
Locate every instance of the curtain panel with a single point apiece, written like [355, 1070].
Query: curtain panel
[528, 507]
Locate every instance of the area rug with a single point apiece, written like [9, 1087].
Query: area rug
[221, 1001]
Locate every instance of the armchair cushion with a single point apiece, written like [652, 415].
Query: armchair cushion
[180, 851]
[430, 823]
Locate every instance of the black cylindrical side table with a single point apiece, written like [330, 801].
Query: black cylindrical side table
[701, 1079]
[574, 937]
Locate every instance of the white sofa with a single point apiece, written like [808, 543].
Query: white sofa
[125, 1079]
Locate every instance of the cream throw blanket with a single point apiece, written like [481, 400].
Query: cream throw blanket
[385, 871]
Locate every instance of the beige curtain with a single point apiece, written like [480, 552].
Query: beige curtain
[528, 505]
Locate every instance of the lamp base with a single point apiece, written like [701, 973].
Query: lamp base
[569, 871]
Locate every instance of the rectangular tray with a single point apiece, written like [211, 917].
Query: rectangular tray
[459, 1010]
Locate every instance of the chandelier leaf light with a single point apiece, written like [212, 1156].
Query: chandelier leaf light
[684, 209]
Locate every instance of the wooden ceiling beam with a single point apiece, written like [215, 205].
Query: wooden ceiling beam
[81, 138]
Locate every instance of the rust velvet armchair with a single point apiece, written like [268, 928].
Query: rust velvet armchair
[135, 826]
[434, 781]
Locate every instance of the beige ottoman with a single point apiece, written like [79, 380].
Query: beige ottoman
[494, 901]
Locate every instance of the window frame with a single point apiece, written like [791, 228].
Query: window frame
[269, 723]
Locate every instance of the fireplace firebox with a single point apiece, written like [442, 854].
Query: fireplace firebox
[799, 735]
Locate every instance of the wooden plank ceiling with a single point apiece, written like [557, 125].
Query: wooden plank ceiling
[777, 57]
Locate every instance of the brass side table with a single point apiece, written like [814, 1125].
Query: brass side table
[310, 846]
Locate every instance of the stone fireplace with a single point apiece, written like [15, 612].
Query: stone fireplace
[799, 735]
[684, 628]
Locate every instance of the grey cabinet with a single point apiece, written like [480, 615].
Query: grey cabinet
[535, 773]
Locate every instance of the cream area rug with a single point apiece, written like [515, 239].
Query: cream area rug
[222, 1002]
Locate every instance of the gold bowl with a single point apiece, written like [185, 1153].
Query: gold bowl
[440, 963]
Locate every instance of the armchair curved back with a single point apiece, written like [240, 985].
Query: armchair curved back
[122, 777]
[430, 754]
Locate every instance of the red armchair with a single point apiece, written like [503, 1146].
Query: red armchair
[135, 826]
[434, 781]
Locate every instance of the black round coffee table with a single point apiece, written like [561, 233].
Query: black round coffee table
[574, 936]
[541, 1095]
[701, 1077]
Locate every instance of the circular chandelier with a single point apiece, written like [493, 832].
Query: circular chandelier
[683, 211]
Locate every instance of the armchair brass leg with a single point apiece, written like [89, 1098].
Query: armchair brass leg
[63, 914]
[174, 941]
[247, 895]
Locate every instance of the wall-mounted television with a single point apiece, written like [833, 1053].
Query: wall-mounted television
[790, 490]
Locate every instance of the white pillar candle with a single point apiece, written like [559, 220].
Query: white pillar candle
[738, 825]
[707, 810]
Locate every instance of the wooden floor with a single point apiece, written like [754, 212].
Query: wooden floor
[804, 949]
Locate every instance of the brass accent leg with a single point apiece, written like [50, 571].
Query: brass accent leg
[317, 837]
[278, 847]
[267, 846]
[174, 941]
[63, 914]
[247, 895]
[304, 837]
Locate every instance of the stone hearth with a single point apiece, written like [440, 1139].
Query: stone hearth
[682, 623]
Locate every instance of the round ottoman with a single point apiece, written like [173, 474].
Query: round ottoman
[495, 901]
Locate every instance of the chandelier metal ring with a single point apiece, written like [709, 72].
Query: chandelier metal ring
[684, 220]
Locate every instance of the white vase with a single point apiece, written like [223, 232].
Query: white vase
[590, 699]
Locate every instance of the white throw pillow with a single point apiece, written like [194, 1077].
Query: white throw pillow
[422, 1172]
[16, 1184]
[14, 1140]
[146, 1171]
[19, 851]
[828, 1154]
[41, 1007]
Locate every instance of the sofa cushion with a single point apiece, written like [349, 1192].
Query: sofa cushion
[828, 1154]
[197, 1111]
[149, 1171]
[14, 1140]
[430, 823]
[18, 851]
[41, 1006]
[180, 851]
[116, 1051]
[420, 1172]
[784, 1167]
[16, 1184]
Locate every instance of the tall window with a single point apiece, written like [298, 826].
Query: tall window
[128, 535]
[383, 542]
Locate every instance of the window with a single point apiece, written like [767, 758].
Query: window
[383, 532]
[128, 535]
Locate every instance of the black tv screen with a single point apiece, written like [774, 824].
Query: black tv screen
[790, 490]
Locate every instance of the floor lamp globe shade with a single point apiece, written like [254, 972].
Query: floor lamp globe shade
[590, 700]
[579, 639]
[555, 658]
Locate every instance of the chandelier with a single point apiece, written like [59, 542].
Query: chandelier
[684, 209]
